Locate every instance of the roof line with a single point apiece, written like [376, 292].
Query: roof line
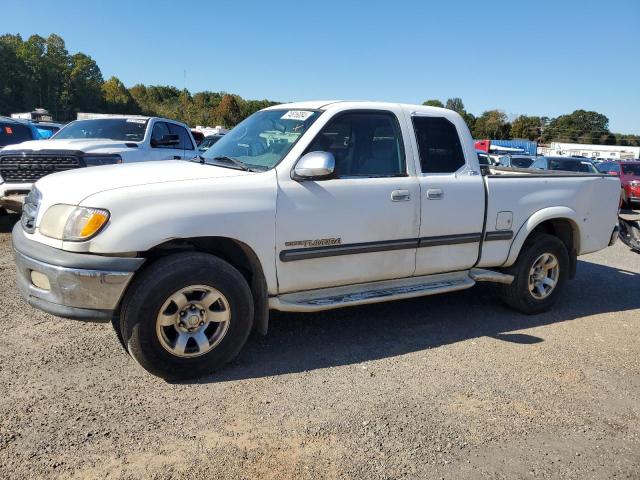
[331, 103]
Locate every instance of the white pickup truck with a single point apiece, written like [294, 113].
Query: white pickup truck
[301, 207]
[105, 140]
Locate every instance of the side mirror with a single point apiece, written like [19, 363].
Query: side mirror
[166, 141]
[314, 166]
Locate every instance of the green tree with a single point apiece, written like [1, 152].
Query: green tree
[456, 105]
[85, 84]
[31, 52]
[433, 103]
[229, 111]
[492, 124]
[116, 97]
[470, 120]
[526, 127]
[581, 125]
[13, 74]
[56, 85]
[249, 107]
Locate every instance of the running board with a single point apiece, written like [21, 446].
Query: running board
[364, 293]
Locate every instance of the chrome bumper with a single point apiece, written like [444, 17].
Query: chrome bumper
[72, 292]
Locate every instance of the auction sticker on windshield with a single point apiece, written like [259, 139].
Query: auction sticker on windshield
[300, 115]
[136, 120]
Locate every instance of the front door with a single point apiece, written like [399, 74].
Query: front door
[359, 226]
[167, 152]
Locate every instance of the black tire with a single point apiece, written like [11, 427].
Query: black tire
[154, 285]
[517, 295]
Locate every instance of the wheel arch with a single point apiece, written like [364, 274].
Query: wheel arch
[561, 222]
[238, 254]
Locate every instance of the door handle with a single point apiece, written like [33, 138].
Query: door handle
[400, 196]
[434, 194]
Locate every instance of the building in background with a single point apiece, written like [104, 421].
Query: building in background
[608, 152]
[38, 115]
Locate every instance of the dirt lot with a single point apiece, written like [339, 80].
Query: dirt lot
[454, 386]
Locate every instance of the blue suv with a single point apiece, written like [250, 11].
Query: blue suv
[17, 131]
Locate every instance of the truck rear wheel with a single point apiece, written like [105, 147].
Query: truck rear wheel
[186, 315]
[539, 274]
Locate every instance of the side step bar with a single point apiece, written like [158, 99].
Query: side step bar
[482, 275]
[374, 292]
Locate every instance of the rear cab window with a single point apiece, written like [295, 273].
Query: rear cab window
[438, 145]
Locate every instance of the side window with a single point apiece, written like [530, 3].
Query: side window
[160, 129]
[439, 145]
[364, 144]
[185, 141]
[539, 164]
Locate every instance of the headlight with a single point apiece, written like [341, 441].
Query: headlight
[96, 160]
[71, 223]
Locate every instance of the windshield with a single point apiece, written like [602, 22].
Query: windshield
[572, 166]
[125, 129]
[262, 140]
[633, 169]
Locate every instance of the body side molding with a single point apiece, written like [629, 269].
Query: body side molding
[389, 245]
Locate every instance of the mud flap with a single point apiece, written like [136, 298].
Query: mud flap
[629, 232]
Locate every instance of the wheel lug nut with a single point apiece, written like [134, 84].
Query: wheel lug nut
[201, 312]
[182, 314]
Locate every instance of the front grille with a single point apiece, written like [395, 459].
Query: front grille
[28, 168]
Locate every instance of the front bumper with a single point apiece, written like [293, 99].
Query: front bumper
[80, 286]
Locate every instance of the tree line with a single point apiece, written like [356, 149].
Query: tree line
[580, 126]
[40, 72]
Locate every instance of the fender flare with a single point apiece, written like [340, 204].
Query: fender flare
[536, 219]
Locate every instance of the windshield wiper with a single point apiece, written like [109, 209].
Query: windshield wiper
[241, 165]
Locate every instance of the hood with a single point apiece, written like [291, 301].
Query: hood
[73, 186]
[95, 145]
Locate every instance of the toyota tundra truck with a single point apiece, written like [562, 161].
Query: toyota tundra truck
[300, 208]
[101, 139]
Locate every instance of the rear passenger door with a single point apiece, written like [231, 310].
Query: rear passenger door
[452, 197]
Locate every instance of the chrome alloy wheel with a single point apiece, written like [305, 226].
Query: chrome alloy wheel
[543, 276]
[193, 321]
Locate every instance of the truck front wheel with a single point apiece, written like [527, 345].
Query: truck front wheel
[539, 274]
[186, 315]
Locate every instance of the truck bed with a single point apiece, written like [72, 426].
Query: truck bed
[590, 200]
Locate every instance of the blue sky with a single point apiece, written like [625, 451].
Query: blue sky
[534, 57]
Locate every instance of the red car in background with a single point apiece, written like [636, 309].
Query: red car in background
[629, 173]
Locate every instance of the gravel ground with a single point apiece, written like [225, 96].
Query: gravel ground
[454, 386]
